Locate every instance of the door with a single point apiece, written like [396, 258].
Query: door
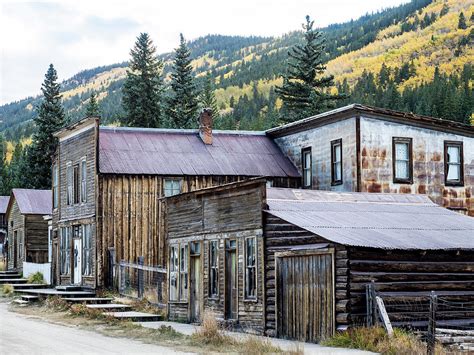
[15, 249]
[77, 261]
[195, 301]
[231, 280]
[305, 296]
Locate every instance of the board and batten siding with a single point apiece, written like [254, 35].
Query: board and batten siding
[16, 223]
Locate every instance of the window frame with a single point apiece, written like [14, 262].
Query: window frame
[76, 190]
[83, 180]
[213, 266]
[65, 251]
[183, 272]
[334, 144]
[247, 296]
[69, 184]
[458, 144]
[305, 184]
[172, 180]
[87, 263]
[55, 183]
[174, 272]
[409, 142]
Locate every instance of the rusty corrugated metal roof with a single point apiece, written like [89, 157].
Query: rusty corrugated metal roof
[182, 152]
[386, 221]
[33, 201]
[4, 204]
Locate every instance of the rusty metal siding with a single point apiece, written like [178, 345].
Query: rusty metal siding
[428, 163]
[319, 139]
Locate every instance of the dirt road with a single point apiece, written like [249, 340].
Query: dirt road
[20, 334]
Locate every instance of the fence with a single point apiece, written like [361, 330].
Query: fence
[142, 282]
[446, 317]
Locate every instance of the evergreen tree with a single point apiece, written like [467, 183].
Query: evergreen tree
[143, 88]
[462, 21]
[50, 119]
[92, 109]
[207, 97]
[182, 104]
[4, 188]
[17, 167]
[444, 10]
[304, 90]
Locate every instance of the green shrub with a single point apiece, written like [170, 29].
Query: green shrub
[7, 289]
[36, 278]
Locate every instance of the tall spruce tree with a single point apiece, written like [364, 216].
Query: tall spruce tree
[305, 90]
[143, 88]
[50, 119]
[17, 167]
[462, 21]
[207, 97]
[4, 188]
[182, 103]
[92, 109]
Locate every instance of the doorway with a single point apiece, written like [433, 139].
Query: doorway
[195, 282]
[15, 250]
[77, 261]
[231, 280]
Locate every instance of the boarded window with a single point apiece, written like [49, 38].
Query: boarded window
[84, 180]
[87, 250]
[65, 250]
[402, 160]
[76, 187]
[172, 187]
[307, 167]
[55, 179]
[69, 183]
[453, 159]
[213, 269]
[250, 268]
[336, 162]
[174, 268]
[183, 273]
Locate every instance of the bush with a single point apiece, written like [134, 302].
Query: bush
[210, 332]
[7, 289]
[57, 303]
[36, 278]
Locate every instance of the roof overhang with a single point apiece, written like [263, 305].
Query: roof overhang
[76, 128]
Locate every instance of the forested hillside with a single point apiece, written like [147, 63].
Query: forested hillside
[415, 57]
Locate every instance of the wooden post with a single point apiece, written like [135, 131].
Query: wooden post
[431, 341]
[121, 277]
[111, 282]
[373, 295]
[368, 299]
[384, 316]
[141, 262]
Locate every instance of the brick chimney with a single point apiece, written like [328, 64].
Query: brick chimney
[205, 126]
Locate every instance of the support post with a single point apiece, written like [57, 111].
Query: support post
[111, 275]
[431, 336]
[121, 277]
[368, 299]
[141, 262]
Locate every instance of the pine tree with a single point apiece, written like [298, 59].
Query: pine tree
[462, 21]
[92, 109]
[444, 10]
[50, 119]
[182, 104]
[207, 97]
[17, 167]
[304, 90]
[143, 88]
[4, 188]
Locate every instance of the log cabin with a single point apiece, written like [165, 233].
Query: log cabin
[109, 183]
[367, 149]
[294, 263]
[27, 230]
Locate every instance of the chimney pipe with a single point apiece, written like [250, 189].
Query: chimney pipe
[205, 126]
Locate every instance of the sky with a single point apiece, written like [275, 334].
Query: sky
[81, 34]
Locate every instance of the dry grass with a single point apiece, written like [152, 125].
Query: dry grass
[145, 306]
[210, 332]
[7, 290]
[56, 303]
[377, 340]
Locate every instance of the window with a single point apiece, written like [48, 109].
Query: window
[69, 182]
[250, 268]
[87, 250]
[172, 187]
[195, 249]
[402, 160]
[336, 162]
[65, 245]
[453, 164]
[307, 167]
[183, 273]
[174, 268]
[55, 185]
[213, 269]
[76, 189]
[83, 180]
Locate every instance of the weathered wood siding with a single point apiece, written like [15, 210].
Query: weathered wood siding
[280, 236]
[16, 223]
[221, 215]
[36, 239]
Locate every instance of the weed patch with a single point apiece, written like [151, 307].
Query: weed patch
[7, 290]
[36, 278]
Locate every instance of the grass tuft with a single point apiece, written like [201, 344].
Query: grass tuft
[36, 278]
[56, 303]
[210, 332]
[7, 290]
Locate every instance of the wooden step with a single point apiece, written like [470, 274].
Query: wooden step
[10, 276]
[110, 307]
[27, 286]
[30, 298]
[21, 302]
[68, 288]
[53, 292]
[88, 300]
[9, 272]
[13, 281]
[135, 316]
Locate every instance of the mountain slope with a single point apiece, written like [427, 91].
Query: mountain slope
[247, 68]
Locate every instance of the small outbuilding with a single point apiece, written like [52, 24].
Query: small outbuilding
[3, 219]
[295, 263]
[27, 230]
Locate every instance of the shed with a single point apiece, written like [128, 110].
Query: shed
[314, 253]
[27, 230]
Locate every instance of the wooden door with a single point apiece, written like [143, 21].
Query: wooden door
[231, 281]
[77, 261]
[15, 249]
[195, 289]
[305, 296]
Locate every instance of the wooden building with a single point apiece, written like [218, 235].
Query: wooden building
[3, 218]
[27, 230]
[295, 263]
[109, 184]
[366, 149]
